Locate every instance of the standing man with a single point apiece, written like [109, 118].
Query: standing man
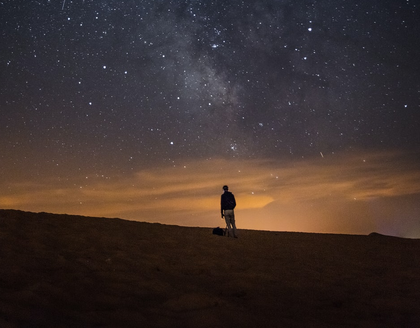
[227, 205]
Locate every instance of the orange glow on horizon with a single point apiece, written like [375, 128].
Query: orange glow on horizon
[336, 193]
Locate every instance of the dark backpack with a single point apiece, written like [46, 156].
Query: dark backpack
[218, 231]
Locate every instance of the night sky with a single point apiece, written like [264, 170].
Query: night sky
[308, 110]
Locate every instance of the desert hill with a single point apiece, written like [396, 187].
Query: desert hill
[73, 271]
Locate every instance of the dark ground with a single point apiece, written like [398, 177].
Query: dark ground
[72, 271]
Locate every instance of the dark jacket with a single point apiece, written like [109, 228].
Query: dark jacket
[227, 201]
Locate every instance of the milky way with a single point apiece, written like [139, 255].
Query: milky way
[101, 86]
[158, 80]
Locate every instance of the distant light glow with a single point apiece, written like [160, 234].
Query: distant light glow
[300, 108]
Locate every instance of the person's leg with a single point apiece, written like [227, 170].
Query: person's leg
[228, 219]
[228, 228]
[232, 221]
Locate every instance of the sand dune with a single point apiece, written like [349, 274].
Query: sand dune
[72, 271]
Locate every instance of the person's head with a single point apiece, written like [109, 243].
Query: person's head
[225, 188]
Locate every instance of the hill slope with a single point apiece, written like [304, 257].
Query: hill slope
[72, 271]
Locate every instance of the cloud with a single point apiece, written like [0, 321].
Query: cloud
[336, 193]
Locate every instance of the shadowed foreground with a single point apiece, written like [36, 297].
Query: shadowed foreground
[72, 271]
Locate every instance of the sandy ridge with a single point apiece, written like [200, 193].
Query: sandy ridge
[73, 271]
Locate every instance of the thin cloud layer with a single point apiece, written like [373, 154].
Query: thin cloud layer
[336, 193]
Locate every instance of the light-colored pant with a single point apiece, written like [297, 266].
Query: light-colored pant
[230, 222]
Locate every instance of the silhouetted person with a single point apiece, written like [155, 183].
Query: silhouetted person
[227, 205]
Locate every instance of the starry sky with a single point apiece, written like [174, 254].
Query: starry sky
[309, 110]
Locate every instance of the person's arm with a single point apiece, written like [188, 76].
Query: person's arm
[221, 205]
